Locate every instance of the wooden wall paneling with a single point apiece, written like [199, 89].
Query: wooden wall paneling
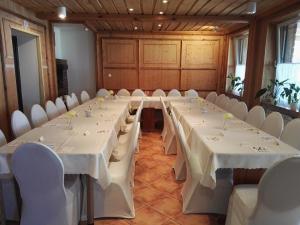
[160, 54]
[116, 78]
[200, 54]
[119, 53]
[222, 68]
[166, 79]
[204, 80]
[99, 62]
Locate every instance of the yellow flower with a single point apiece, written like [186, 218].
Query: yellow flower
[228, 116]
[100, 99]
[111, 92]
[71, 113]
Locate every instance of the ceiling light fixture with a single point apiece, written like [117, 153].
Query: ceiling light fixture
[165, 1]
[86, 29]
[161, 12]
[62, 12]
[135, 27]
[131, 9]
[159, 25]
[251, 8]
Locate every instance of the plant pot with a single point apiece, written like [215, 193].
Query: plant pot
[294, 106]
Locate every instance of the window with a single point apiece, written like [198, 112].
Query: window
[288, 53]
[241, 45]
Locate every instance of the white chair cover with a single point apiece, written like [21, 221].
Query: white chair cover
[197, 198]
[240, 110]
[174, 93]
[275, 201]
[19, 123]
[211, 97]
[232, 102]
[84, 96]
[2, 138]
[191, 93]
[70, 102]
[38, 115]
[51, 110]
[138, 92]
[60, 105]
[219, 100]
[256, 116]
[273, 124]
[123, 92]
[46, 198]
[75, 99]
[179, 166]
[159, 93]
[290, 134]
[170, 145]
[103, 93]
[225, 103]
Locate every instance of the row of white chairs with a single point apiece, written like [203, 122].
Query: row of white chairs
[157, 93]
[273, 124]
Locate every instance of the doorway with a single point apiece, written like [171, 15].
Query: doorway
[27, 70]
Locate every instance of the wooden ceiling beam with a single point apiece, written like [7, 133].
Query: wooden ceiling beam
[80, 17]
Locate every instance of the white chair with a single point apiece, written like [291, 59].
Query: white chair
[9, 200]
[138, 92]
[211, 97]
[256, 116]
[232, 102]
[159, 93]
[70, 102]
[219, 100]
[123, 92]
[75, 99]
[84, 96]
[51, 110]
[197, 198]
[225, 103]
[191, 93]
[275, 201]
[60, 105]
[170, 144]
[117, 199]
[103, 93]
[47, 199]
[38, 115]
[19, 123]
[179, 166]
[273, 124]
[240, 110]
[2, 138]
[174, 93]
[290, 134]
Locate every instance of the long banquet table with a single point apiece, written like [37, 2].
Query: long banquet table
[221, 142]
[85, 143]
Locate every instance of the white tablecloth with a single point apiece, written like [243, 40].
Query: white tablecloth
[84, 149]
[235, 145]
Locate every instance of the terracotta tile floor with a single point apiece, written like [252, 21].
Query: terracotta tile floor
[157, 193]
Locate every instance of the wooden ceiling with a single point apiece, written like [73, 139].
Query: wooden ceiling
[178, 15]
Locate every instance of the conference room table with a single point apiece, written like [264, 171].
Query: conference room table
[222, 141]
[85, 137]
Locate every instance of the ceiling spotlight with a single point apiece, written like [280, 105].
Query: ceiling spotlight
[86, 29]
[161, 12]
[251, 8]
[62, 12]
[159, 25]
[135, 27]
[165, 1]
[131, 9]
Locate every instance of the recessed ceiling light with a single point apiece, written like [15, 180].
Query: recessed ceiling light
[62, 12]
[161, 12]
[159, 25]
[251, 8]
[135, 27]
[131, 9]
[86, 29]
[165, 1]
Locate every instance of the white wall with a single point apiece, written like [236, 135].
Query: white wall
[29, 73]
[77, 46]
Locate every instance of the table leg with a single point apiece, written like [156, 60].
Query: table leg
[90, 200]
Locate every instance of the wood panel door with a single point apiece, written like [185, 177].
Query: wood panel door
[159, 54]
[204, 80]
[115, 78]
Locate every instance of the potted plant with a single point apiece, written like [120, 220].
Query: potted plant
[272, 91]
[235, 82]
[291, 93]
[241, 88]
